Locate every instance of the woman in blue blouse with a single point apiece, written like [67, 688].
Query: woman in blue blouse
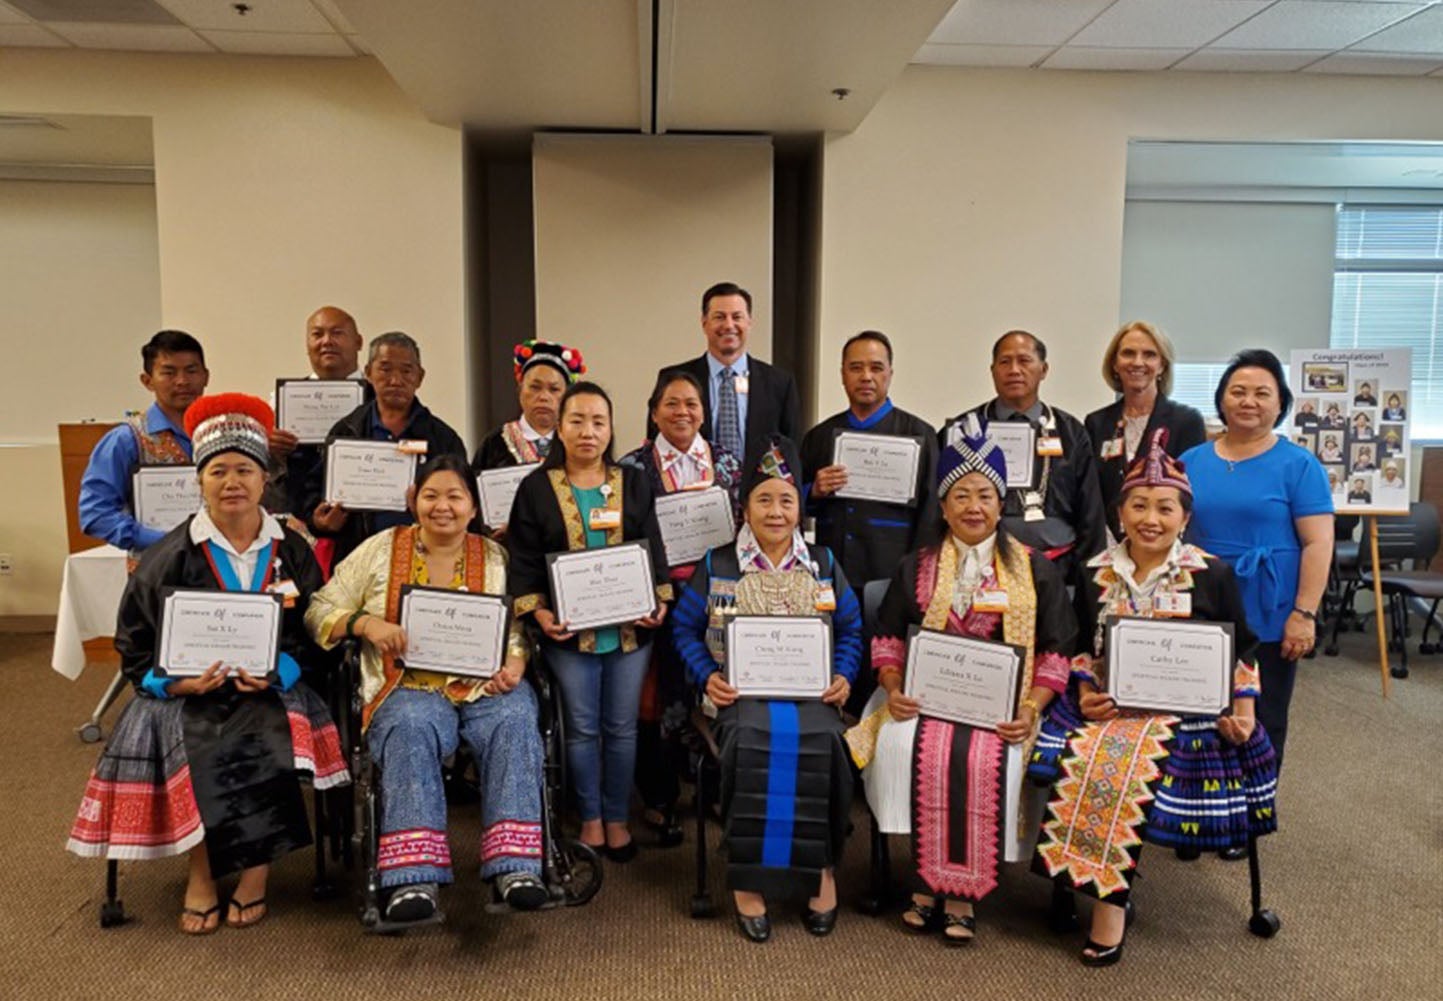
[1263, 505]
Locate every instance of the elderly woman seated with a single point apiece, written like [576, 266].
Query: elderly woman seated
[413, 719]
[208, 764]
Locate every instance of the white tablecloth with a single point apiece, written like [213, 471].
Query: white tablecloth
[89, 599]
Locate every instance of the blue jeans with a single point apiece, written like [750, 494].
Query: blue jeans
[600, 696]
[409, 736]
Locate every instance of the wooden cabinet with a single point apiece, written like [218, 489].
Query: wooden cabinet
[77, 441]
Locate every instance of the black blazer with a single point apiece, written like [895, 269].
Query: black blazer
[772, 403]
[1185, 428]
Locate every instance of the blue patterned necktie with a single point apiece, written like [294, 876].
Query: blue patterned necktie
[728, 419]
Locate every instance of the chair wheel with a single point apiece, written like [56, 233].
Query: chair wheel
[370, 916]
[1398, 672]
[89, 733]
[1264, 924]
[112, 914]
[702, 907]
[578, 870]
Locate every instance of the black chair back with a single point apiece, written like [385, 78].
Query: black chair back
[872, 594]
[1414, 536]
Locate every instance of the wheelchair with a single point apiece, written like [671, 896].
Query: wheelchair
[571, 870]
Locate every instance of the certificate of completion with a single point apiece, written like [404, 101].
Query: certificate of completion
[880, 467]
[309, 408]
[591, 588]
[1018, 441]
[368, 475]
[779, 656]
[237, 628]
[164, 496]
[454, 632]
[498, 489]
[963, 680]
[1170, 666]
[693, 522]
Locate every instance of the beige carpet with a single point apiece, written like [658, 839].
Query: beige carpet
[1356, 874]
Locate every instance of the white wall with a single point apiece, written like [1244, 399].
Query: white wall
[281, 184]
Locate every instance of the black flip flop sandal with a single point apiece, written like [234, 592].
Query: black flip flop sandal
[967, 921]
[191, 912]
[236, 905]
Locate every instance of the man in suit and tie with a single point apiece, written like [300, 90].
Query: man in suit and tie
[746, 399]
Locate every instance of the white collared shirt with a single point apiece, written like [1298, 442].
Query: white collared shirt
[973, 563]
[202, 530]
[1126, 570]
[530, 433]
[686, 468]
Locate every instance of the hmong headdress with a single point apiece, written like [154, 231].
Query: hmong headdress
[971, 454]
[229, 422]
[1156, 468]
[565, 360]
[778, 461]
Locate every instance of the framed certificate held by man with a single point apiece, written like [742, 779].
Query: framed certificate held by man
[454, 632]
[963, 680]
[164, 496]
[779, 656]
[1170, 666]
[309, 408]
[238, 628]
[693, 522]
[592, 588]
[1018, 440]
[368, 475]
[880, 467]
[498, 489]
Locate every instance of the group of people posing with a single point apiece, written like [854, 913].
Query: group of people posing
[1132, 512]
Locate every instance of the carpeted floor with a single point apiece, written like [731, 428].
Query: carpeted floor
[1356, 875]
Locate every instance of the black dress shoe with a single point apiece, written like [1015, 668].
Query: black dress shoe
[1234, 854]
[756, 929]
[819, 922]
[621, 855]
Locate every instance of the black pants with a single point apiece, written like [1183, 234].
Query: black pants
[1278, 675]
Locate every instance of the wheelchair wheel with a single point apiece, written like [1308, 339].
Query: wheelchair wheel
[578, 871]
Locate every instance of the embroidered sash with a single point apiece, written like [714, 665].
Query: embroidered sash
[159, 449]
[520, 447]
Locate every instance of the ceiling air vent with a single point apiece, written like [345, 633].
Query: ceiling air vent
[96, 11]
[28, 122]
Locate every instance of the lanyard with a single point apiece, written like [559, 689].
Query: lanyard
[220, 565]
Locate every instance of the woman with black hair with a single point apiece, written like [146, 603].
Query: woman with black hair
[1264, 506]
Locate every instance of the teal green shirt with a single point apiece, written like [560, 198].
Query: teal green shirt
[607, 639]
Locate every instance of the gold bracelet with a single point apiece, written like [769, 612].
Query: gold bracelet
[1031, 703]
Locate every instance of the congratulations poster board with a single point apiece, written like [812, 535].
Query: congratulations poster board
[1351, 409]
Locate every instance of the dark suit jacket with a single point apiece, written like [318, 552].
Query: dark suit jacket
[772, 403]
[1185, 428]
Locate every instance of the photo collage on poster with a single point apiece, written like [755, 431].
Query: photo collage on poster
[1353, 415]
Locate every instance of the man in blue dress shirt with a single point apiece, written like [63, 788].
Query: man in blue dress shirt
[175, 372]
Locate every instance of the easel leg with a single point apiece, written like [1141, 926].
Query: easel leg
[1378, 606]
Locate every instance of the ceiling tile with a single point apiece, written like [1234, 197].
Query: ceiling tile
[1081, 57]
[133, 37]
[264, 15]
[1250, 60]
[1376, 63]
[28, 36]
[1421, 33]
[1161, 24]
[1015, 22]
[1304, 24]
[981, 55]
[278, 43]
[9, 15]
[334, 15]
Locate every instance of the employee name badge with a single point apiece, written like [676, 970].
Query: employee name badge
[1172, 606]
[1112, 448]
[826, 599]
[743, 384]
[1032, 506]
[288, 591]
[603, 518]
[1049, 445]
[412, 446]
[989, 598]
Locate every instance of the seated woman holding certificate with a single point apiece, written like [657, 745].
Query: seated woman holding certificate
[1191, 782]
[786, 786]
[678, 461]
[596, 626]
[413, 717]
[205, 759]
[956, 787]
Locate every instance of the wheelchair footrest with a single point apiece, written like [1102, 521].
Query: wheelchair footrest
[380, 926]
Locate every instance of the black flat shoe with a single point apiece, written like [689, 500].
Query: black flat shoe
[755, 929]
[668, 832]
[621, 855]
[1187, 854]
[819, 923]
[967, 921]
[1104, 955]
[929, 915]
[1234, 854]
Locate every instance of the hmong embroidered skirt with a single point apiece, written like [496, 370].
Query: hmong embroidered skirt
[786, 793]
[220, 768]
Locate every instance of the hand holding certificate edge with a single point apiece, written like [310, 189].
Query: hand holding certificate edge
[723, 694]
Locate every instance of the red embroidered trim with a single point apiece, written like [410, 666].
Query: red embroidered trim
[1052, 670]
[511, 839]
[418, 846]
[317, 750]
[889, 653]
[137, 814]
[974, 876]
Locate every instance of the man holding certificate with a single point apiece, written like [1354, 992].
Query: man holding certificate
[1157, 736]
[441, 662]
[974, 635]
[211, 633]
[770, 631]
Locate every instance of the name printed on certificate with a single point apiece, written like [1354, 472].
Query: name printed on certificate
[164, 496]
[779, 656]
[1170, 666]
[963, 680]
[368, 475]
[310, 408]
[880, 467]
[238, 628]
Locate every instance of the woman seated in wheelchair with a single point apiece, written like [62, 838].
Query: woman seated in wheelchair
[208, 764]
[1125, 776]
[785, 780]
[413, 719]
[957, 789]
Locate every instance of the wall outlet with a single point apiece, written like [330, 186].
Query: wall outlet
[7, 566]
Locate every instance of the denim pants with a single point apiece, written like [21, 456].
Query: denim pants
[600, 696]
[409, 736]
